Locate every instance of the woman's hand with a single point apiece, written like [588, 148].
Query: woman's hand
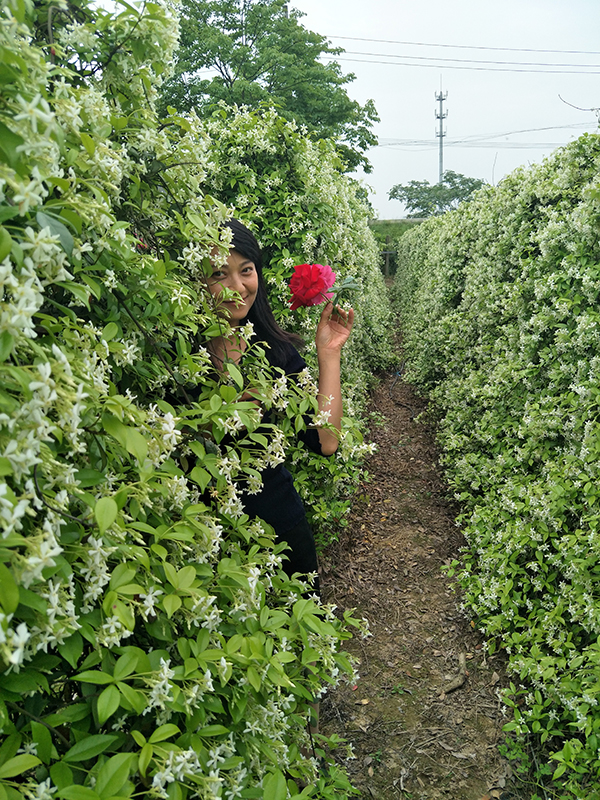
[333, 329]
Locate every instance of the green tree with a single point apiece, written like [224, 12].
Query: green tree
[423, 199]
[262, 54]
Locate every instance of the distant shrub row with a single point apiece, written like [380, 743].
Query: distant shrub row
[500, 306]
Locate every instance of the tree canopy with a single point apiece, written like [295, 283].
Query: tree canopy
[262, 54]
[423, 199]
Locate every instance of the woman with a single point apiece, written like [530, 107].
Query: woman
[279, 503]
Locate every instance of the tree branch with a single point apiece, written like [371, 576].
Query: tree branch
[57, 733]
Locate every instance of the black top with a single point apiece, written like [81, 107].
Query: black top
[279, 503]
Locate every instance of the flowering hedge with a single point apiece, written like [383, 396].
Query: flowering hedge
[150, 641]
[499, 301]
[290, 191]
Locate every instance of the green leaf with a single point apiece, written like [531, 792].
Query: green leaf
[146, 754]
[62, 183]
[9, 142]
[131, 439]
[275, 786]
[171, 573]
[9, 747]
[235, 373]
[8, 212]
[61, 775]
[132, 696]
[174, 791]
[113, 775]
[94, 286]
[110, 331]
[200, 476]
[88, 143]
[562, 768]
[94, 676]
[213, 730]
[69, 714]
[90, 477]
[171, 604]
[73, 219]
[136, 444]
[71, 649]
[139, 737]
[77, 793]
[105, 511]
[5, 466]
[186, 577]
[57, 228]
[32, 600]
[9, 590]
[89, 747]
[125, 665]
[43, 739]
[7, 342]
[108, 702]
[164, 732]
[121, 576]
[6, 243]
[77, 290]
[18, 765]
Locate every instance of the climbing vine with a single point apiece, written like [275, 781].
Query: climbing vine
[500, 307]
[150, 641]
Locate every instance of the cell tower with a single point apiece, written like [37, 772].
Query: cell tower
[441, 115]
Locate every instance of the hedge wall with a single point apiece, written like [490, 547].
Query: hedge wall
[151, 643]
[499, 301]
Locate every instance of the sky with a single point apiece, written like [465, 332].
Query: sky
[496, 112]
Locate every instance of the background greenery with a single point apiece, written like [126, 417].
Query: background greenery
[387, 232]
[424, 199]
[262, 53]
[499, 301]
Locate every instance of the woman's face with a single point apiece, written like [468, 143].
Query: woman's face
[239, 275]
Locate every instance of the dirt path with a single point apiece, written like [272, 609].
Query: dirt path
[412, 739]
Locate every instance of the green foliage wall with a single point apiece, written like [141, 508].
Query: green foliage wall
[290, 191]
[500, 307]
[150, 641]
[258, 51]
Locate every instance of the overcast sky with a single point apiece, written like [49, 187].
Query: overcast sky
[483, 102]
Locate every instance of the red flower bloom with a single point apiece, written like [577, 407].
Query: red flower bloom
[309, 285]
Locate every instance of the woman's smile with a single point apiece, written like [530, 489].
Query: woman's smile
[239, 275]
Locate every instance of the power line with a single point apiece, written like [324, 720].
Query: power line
[472, 60]
[533, 130]
[456, 66]
[431, 145]
[469, 46]
[487, 136]
[483, 140]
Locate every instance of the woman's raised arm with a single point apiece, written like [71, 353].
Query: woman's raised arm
[333, 331]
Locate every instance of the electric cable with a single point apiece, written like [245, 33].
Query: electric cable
[468, 46]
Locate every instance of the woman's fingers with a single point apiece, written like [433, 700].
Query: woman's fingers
[345, 317]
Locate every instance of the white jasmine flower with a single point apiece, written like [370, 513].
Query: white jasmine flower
[36, 110]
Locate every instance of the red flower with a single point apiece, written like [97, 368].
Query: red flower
[309, 285]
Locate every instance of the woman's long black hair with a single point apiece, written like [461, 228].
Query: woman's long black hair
[260, 315]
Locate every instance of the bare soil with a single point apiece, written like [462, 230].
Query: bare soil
[425, 717]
